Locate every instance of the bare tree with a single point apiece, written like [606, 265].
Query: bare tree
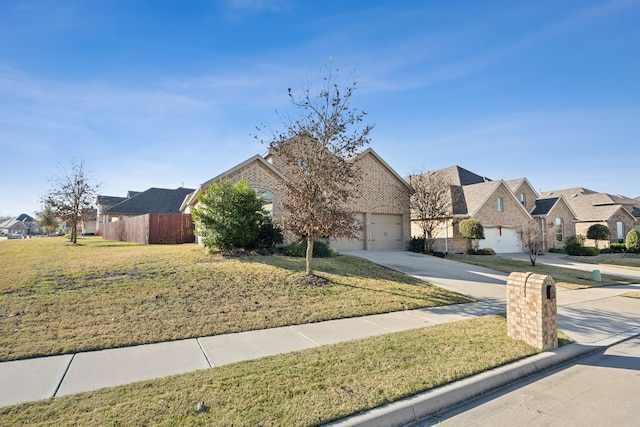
[431, 204]
[535, 239]
[315, 151]
[71, 195]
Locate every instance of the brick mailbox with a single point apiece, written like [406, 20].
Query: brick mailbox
[532, 314]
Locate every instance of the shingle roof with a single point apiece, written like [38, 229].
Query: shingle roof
[109, 200]
[476, 194]
[154, 200]
[544, 206]
[24, 217]
[461, 176]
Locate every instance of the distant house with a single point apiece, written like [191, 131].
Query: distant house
[152, 201]
[21, 226]
[13, 229]
[501, 212]
[105, 202]
[556, 217]
[152, 216]
[620, 214]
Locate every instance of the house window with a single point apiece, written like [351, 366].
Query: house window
[620, 229]
[500, 207]
[559, 230]
[267, 201]
[523, 199]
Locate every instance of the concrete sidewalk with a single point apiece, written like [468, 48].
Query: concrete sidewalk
[592, 317]
[45, 377]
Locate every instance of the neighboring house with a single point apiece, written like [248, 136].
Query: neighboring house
[89, 223]
[105, 202]
[151, 201]
[501, 212]
[382, 209]
[32, 225]
[14, 229]
[591, 207]
[557, 220]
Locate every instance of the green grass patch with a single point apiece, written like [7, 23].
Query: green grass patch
[564, 277]
[303, 388]
[58, 298]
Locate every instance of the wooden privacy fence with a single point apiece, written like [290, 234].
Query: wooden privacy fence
[152, 229]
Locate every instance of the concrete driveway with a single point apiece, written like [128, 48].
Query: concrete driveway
[597, 316]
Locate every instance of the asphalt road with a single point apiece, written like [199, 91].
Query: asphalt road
[602, 389]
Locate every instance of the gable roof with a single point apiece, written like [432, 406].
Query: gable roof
[544, 206]
[460, 176]
[515, 184]
[590, 205]
[370, 151]
[477, 195]
[25, 218]
[109, 200]
[13, 223]
[191, 198]
[153, 200]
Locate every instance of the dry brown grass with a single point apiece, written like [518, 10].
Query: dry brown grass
[303, 388]
[58, 298]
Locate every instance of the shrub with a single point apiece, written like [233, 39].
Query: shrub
[557, 251]
[633, 241]
[590, 251]
[299, 249]
[598, 232]
[616, 248]
[574, 245]
[269, 235]
[416, 244]
[483, 251]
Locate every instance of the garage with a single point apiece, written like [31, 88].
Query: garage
[344, 244]
[501, 240]
[386, 232]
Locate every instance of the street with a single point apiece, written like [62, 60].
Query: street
[602, 389]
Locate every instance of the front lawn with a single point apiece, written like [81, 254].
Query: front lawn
[304, 388]
[58, 298]
[564, 277]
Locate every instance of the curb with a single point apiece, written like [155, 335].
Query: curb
[420, 406]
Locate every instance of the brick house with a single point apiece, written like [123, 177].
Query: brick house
[493, 203]
[383, 208]
[556, 217]
[591, 207]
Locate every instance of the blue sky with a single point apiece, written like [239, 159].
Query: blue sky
[153, 93]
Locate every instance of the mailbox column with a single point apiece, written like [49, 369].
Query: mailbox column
[532, 310]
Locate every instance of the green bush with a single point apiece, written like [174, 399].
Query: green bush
[557, 251]
[615, 248]
[416, 244]
[575, 247]
[483, 251]
[299, 249]
[633, 241]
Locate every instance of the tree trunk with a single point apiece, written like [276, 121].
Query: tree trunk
[309, 257]
[74, 232]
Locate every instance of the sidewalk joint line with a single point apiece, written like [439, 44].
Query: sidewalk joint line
[64, 374]
[204, 353]
[304, 336]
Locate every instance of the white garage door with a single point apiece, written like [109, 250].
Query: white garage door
[346, 244]
[386, 231]
[502, 241]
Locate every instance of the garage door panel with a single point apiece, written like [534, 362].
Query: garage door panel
[343, 244]
[505, 240]
[386, 231]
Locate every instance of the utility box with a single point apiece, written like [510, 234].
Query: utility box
[532, 314]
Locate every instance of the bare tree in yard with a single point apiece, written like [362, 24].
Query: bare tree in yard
[315, 150]
[71, 196]
[431, 203]
[535, 239]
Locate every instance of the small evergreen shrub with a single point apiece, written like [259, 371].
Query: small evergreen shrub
[299, 249]
[633, 241]
[557, 251]
[416, 244]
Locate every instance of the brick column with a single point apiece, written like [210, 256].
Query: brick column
[531, 310]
